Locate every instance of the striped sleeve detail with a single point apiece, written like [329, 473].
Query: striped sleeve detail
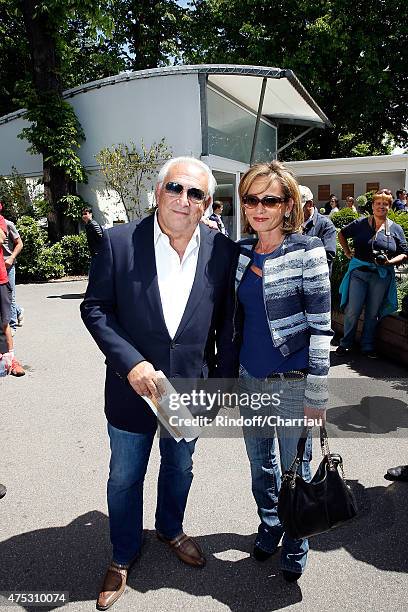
[316, 392]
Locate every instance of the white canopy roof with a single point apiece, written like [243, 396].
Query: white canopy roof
[285, 100]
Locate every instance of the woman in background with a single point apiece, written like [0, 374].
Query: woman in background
[378, 245]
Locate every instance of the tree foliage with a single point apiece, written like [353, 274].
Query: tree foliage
[128, 172]
[354, 65]
[148, 32]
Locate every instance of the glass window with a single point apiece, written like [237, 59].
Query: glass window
[231, 131]
[226, 194]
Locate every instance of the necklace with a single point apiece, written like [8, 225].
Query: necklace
[264, 250]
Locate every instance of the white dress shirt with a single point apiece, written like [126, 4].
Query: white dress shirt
[175, 277]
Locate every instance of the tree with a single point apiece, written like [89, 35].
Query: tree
[128, 172]
[47, 46]
[147, 32]
[354, 66]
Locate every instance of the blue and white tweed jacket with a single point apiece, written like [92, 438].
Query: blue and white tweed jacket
[296, 289]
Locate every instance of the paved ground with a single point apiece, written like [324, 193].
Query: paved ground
[54, 460]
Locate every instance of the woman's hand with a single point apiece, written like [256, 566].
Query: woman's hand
[319, 416]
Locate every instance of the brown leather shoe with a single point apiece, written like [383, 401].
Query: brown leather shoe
[113, 585]
[186, 549]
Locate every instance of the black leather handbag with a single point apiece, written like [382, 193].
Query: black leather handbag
[309, 508]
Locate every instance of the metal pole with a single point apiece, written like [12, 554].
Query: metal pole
[292, 141]
[202, 80]
[258, 119]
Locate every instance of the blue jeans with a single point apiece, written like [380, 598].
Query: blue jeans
[130, 454]
[369, 289]
[15, 309]
[266, 469]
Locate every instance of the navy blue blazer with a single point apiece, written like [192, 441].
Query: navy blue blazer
[323, 228]
[122, 310]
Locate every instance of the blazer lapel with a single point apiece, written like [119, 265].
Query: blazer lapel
[200, 278]
[146, 262]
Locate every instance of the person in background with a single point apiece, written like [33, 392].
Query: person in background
[12, 365]
[93, 230]
[216, 216]
[315, 224]
[399, 204]
[283, 324]
[379, 244]
[327, 206]
[334, 205]
[12, 247]
[350, 203]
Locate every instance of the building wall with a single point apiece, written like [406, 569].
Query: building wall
[13, 151]
[148, 109]
[390, 180]
[390, 171]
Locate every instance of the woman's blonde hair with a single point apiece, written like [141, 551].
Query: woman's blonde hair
[384, 195]
[276, 171]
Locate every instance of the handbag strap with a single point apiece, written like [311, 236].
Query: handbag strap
[324, 444]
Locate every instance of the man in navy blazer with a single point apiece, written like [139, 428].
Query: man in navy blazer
[318, 225]
[160, 292]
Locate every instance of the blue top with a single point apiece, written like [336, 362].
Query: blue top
[258, 355]
[365, 239]
[398, 205]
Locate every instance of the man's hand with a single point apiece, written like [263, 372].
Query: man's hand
[315, 414]
[9, 261]
[143, 379]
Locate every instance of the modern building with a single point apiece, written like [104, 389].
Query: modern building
[229, 116]
[352, 176]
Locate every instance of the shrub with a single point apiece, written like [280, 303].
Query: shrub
[76, 255]
[401, 218]
[340, 265]
[35, 240]
[38, 261]
[344, 217]
[50, 262]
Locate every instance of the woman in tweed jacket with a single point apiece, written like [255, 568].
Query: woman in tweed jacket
[283, 325]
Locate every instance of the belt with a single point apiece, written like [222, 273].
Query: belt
[291, 375]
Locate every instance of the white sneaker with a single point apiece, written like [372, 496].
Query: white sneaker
[20, 318]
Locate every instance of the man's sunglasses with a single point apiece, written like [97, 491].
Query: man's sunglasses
[269, 201]
[193, 193]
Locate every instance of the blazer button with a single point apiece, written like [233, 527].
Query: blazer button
[172, 344]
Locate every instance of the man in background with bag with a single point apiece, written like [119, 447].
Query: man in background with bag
[159, 292]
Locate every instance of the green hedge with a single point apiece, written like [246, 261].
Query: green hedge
[38, 261]
[340, 265]
[76, 255]
[344, 217]
[402, 219]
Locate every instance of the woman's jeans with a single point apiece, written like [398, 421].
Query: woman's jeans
[266, 468]
[15, 309]
[130, 454]
[369, 289]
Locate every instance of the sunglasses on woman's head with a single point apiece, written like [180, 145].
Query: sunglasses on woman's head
[269, 201]
[193, 193]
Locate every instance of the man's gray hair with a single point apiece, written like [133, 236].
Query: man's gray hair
[212, 183]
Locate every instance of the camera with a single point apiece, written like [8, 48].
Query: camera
[380, 257]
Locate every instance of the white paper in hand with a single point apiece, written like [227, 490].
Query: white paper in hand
[176, 422]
